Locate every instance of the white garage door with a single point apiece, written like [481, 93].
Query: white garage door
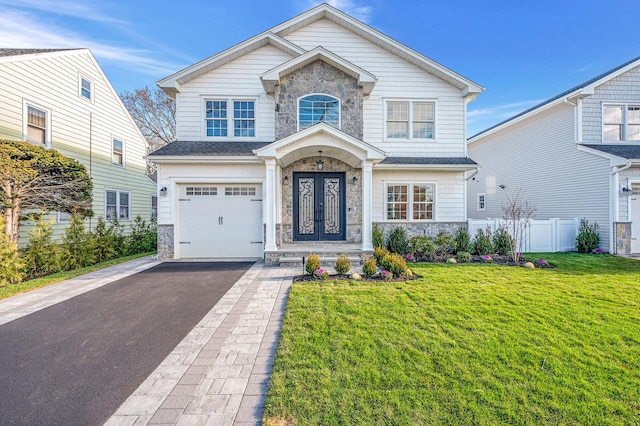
[220, 221]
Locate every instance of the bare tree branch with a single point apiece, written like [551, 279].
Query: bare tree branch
[518, 211]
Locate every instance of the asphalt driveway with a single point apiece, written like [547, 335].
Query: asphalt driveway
[75, 362]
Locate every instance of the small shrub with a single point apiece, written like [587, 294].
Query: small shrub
[386, 275]
[452, 260]
[342, 264]
[398, 241]
[486, 258]
[482, 242]
[313, 263]
[422, 247]
[370, 267]
[377, 236]
[502, 241]
[395, 264]
[42, 255]
[445, 243]
[11, 265]
[143, 236]
[321, 274]
[105, 241]
[463, 240]
[379, 253]
[78, 245]
[463, 256]
[588, 237]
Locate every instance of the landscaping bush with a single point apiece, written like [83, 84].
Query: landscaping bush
[42, 255]
[379, 253]
[143, 236]
[396, 264]
[463, 240]
[463, 256]
[445, 243]
[119, 239]
[482, 242]
[398, 241]
[105, 241]
[342, 264]
[588, 237]
[78, 245]
[313, 264]
[502, 241]
[370, 267]
[422, 247]
[11, 266]
[377, 236]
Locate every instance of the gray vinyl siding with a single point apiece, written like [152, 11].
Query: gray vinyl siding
[538, 156]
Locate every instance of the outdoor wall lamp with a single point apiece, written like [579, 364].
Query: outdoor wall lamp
[285, 181]
[354, 180]
[320, 163]
[163, 190]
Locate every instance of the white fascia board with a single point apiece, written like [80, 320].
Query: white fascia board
[195, 70]
[271, 78]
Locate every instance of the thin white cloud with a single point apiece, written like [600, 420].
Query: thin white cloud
[503, 111]
[19, 29]
[89, 10]
[357, 9]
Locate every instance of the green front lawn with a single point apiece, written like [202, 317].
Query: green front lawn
[466, 344]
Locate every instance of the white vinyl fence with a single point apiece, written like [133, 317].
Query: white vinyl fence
[540, 235]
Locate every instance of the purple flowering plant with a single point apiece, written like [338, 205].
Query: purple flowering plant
[541, 261]
[411, 258]
[321, 273]
[487, 259]
[598, 250]
[386, 275]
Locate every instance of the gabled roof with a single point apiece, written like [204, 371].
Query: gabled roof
[271, 78]
[17, 52]
[275, 36]
[580, 91]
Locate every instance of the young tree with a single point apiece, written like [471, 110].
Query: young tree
[518, 212]
[32, 177]
[154, 113]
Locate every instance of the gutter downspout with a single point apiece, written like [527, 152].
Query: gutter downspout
[614, 208]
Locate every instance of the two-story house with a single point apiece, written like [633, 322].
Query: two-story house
[301, 138]
[576, 155]
[61, 99]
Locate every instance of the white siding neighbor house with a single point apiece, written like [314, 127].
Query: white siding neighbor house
[60, 99]
[576, 155]
[301, 138]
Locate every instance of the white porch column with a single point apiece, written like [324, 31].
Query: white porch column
[367, 216]
[270, 200]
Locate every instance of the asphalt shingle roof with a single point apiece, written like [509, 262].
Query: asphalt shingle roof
[630, 152]
[454, 161]
[206, 148]
[16, 52]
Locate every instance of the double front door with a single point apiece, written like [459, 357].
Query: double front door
[319, 212]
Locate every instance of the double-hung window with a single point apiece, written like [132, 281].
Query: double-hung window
[86, 88]
[117, 205]
[413, 201]
[117, 154]
[241, 119]
[621, 123]
[410, 120]
[37, 125]
[314, 109]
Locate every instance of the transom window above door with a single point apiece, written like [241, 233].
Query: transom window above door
[238, 123]
[314, 109]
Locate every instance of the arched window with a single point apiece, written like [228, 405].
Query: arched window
[314, 109]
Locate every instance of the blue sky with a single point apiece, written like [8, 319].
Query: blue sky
[521, 51]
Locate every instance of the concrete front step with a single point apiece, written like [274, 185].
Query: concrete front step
[324, 261]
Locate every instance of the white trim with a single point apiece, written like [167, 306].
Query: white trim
[410, 137]
[113, 153]
[91, 97]
[118, 204]
[409, 184]
[25, 122]
[484, 202]
[230, 119]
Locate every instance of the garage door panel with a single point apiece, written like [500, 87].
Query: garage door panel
[220, 221]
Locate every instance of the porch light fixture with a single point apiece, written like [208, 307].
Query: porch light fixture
[354, 180]
[320, 163]
[163, 190]
[285, 181]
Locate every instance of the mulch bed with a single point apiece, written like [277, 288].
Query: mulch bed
[496, 259]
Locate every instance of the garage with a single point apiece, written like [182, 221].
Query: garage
[219, 221]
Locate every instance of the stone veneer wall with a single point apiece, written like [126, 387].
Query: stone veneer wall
[353, 196]
[318, 77]
[165, 242]
[623, 237]
[430, 229]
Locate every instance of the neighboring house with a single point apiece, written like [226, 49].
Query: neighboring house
[61, 99]
[576, 155]
[301, 138]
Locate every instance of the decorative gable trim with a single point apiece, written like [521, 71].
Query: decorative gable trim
[271, 78]
[171, 84]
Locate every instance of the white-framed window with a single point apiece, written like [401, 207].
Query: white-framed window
[318, 108]
[410, 201]
[230, 118]
[240, 190]
[117, 205]
[621, 123]
[37, 124]
[154, 207]
[64, 217]
[481, 203]
[85, 88]
[410, 119]
[117, 152]
[202, 190]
